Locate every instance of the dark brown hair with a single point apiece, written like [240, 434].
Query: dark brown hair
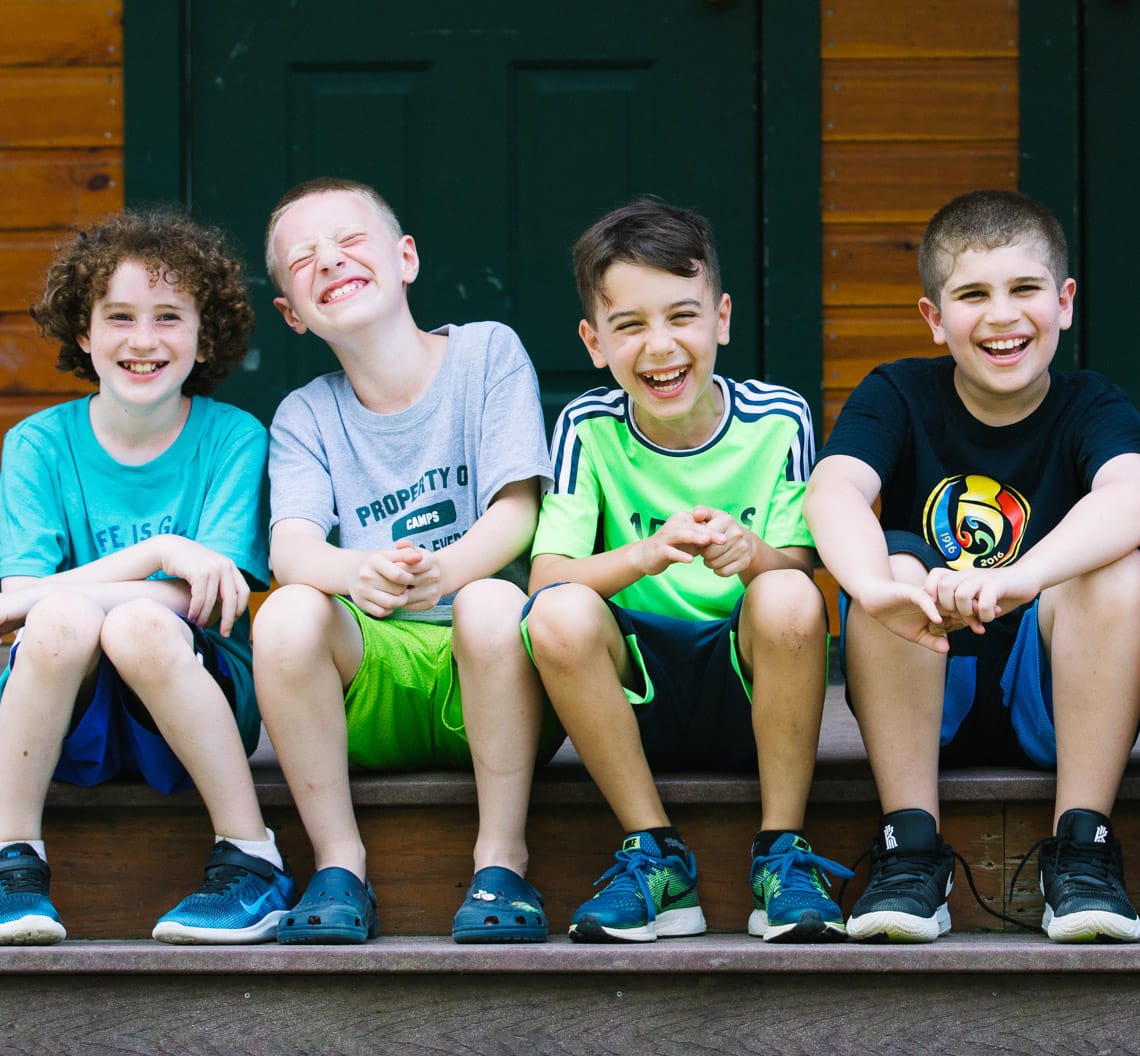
[192, 257]
[983, 220]
[647, 231]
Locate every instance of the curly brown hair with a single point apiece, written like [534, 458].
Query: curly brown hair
[191, 256]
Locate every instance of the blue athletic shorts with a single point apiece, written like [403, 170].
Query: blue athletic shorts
[112, 734]
[693, 705]
[998, 702]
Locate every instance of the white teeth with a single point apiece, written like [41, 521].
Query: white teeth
[1006, 345]
[142, 368]
[661, 379]
[341, 291]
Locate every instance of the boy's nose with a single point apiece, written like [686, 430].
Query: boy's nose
[142, 337]
[659, 341]
[328, 255]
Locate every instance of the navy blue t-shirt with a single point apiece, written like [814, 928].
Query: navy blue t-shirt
[980, 494]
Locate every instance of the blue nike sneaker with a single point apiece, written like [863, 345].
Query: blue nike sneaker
[27, 917]
[241, 901]
[790, 899]
[650, 895]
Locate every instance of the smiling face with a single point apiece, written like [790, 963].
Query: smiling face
[658, 333]
[143, 340]
[1000, 317]
[340, 264]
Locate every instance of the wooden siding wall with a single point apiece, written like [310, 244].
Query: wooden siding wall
[61, 164]
[919, 103]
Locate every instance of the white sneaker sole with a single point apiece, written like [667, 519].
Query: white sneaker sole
[32, 931]
[900, 927]
[1090, 926]
[265, 930]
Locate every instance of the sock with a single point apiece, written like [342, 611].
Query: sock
[264, 849]
[764, 839]
[36, 845]
[669, 840]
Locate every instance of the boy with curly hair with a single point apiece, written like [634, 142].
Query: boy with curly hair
[131, 532]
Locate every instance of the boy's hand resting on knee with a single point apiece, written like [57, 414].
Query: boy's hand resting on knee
[974, 597]
[907, 611]
[215, 582]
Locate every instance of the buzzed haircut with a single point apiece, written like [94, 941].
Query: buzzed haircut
[984, 220]
[323, 185]
[646, 231]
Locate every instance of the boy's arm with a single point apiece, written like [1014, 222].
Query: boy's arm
[1099, 529]
[203, 585]
[679, 539]
[406, 577]
[838, 510]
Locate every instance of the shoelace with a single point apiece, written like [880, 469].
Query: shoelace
[220, 878]
[905, 867]
[22, 880]
[629, 872]
[794, 867]
[1085, 865]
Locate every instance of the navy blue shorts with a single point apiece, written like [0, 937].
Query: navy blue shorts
[112, 734]
[693, 705]
[997, 706]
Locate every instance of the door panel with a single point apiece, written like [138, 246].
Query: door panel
[498, 132]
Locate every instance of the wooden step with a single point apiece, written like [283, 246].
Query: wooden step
[122, 854]
[712, 994]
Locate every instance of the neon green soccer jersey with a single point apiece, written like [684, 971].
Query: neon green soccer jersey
[613, 486]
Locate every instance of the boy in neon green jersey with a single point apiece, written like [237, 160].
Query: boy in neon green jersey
[673, 571]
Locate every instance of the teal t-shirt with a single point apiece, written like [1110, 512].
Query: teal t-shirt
[613, 486]
[64, 502]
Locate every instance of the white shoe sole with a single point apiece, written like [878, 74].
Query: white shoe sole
[900, 927]
[1090, 926]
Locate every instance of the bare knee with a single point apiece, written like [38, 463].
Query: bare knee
[144, 638]
[485, 616]
[566, 623]
[784, 606]
[62, 631]
[292, 623]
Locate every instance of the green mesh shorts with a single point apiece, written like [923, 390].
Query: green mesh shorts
[404, 710]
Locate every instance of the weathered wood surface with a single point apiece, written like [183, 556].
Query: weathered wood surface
[676, 1014]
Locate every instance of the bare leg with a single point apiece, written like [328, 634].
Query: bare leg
[307, 649]
[502, 713]
[897, 689]
[153, 652]
[58, 654]
[1088, 626]
[584, 662]
[783, 651]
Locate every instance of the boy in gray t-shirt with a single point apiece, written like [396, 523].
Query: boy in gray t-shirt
[393, 650]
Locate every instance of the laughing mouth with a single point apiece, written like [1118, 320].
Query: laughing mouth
[666, 381]
[342, 291]
[1006, 346]
[148, 367]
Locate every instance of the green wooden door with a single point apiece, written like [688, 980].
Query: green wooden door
[498, 131]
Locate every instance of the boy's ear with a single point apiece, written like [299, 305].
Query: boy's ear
[410, 258]
[286, 309]
[723, 317]
[933, 316]
[1066, 294]
[589, 338]
[84, 342]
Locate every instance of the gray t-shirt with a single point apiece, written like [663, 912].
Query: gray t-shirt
[425, 474]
